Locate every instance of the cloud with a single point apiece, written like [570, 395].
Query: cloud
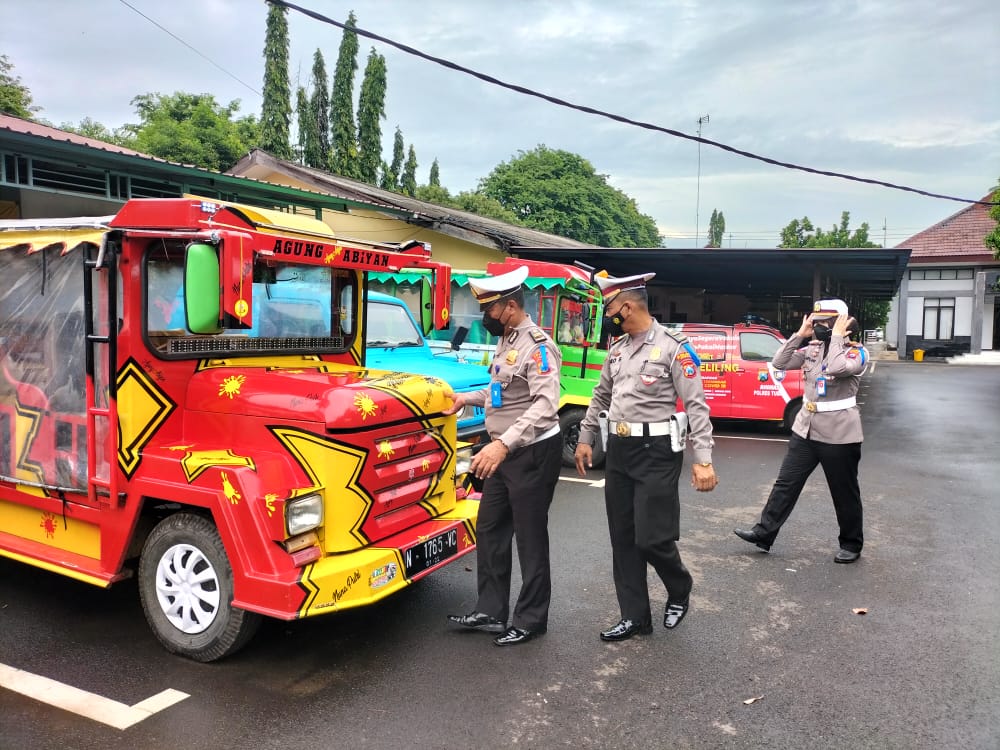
[894, 90]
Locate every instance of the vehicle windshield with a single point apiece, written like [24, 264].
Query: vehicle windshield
[296, 308]
[758, 346]
[390, 326]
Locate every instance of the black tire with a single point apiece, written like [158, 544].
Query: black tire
[791, 412]
[569, 423]
[186, 543]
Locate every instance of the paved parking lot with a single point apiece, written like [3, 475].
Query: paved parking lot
[771, 655]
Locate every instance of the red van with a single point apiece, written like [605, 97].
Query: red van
[739, 380]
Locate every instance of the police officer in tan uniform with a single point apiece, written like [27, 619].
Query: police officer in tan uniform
[520, 465]
[827, 430]
[645, 372]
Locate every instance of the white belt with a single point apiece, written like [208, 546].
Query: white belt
[839, 405]
[554, 430]
[639, 429]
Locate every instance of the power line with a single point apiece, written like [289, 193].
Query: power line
[617, 118]
[196, 51]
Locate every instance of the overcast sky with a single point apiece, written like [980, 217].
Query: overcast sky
[902, 91]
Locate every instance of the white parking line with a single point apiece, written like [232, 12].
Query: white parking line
[82, 703]
[581, 480]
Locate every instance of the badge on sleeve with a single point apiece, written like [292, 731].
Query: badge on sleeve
[541, 358]
[693, 354]
[688, 367]
[852, 353]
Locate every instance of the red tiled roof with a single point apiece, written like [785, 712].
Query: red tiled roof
[26, 127]
[957, 238]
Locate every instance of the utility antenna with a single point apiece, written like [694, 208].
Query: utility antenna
[703, 120]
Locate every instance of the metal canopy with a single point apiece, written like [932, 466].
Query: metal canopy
[857, 273]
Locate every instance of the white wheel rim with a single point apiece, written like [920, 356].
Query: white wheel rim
[187, 588]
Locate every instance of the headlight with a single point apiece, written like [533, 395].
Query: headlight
[303, 514]
[463, 460]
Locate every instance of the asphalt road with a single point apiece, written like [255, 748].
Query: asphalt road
[920, 670]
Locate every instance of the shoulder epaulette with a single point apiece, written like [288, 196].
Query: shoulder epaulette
[680, 338]
[537, 335]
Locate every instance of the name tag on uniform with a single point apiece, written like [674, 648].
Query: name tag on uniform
[496, 395]
[821, 385]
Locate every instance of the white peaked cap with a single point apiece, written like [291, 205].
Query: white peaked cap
[490, 289]
[829, 308]
[611, 287]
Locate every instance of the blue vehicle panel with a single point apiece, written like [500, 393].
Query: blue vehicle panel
[394, 342]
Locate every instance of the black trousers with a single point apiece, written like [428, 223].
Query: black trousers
[640, 494]
[840, 464]
[515, 504]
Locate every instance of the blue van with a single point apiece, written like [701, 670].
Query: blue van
[394, 342]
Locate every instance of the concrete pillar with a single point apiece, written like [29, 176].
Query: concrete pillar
[978, 306]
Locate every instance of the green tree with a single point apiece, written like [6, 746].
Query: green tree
[192, 129]
[874, 313]
[435, 177]
[470, 201]
[437, 195]
[391, 172]
[320, 153]
[481, 205]
[15, 97]
[804, 234]
[409, 180]
[993, 238]
[90, 128]
[716, 228]
[306, 127]
[345, 148]
[276, 114]
[560, 192]
[371, 112]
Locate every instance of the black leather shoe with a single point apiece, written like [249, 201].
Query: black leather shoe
[479, 621]
[846, 556]
[674, 612]
[625, 629]
[754, 538]
[514, 636]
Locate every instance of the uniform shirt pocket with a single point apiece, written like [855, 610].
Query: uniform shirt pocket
[651, 372]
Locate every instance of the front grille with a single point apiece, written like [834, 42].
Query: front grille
[409, 469]
[219, 344]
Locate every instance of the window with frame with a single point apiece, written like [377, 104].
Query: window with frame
[939, 318]
[935, 274]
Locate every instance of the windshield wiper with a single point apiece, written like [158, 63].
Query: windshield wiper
[391, 344]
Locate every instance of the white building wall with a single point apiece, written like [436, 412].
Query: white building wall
[963, 316]
[892, 324]
[914, 316]
[947, 287]
[989, 311]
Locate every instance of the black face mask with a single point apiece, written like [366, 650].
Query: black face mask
[822, 332]
[613, 325]
[492, 325]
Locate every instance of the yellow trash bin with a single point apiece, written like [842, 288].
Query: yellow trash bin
[918, 355]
